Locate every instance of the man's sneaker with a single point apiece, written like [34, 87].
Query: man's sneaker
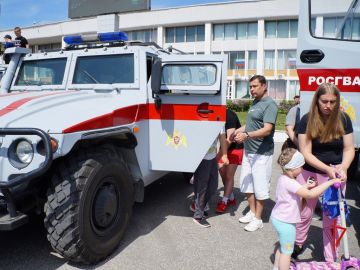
[297, 251]
[192, 208]
[221, 207]
[231, 202]
[247, 218]
[202, 222]
[254, 225]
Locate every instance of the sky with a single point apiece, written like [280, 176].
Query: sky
[25, 13]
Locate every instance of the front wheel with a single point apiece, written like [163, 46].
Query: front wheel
[89, 205]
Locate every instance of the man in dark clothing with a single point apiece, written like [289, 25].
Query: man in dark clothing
[19, 38]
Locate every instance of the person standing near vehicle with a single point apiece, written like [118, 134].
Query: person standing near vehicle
[206, 179]
[257, 136]
[235, 155]
[8, 44]
[23, 41]
[325, 139]
[291, 121]
[286, 212]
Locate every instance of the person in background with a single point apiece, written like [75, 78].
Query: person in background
[326, 140]
[257, 136]
[292, 120]
[8, 44]
[235, 155]
[286, 212]
[23, 41]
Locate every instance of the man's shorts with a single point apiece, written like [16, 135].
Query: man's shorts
[255, 175]
[235, 156]
[287, 235]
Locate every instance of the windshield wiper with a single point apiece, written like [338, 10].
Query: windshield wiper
[91, 77]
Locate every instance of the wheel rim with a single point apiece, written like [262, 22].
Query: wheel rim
[105, 207]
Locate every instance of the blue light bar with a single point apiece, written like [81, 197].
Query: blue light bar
[112, 36]
[73, 40]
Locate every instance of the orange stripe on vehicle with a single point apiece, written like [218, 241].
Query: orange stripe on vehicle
[136, 113]
[16, 104]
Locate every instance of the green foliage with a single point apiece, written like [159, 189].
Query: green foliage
[280, 121]
[285, 106]
[239, 105]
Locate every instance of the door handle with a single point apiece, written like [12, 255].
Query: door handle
[205, 111]
[311, 56]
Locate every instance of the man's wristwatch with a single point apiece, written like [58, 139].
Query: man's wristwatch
[247, 135]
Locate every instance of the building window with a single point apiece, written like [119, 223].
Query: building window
[185, 34]
[49, 47]
[269, 61]
[286, 59]
[236, 60]
[294, 89]
[149, 35]
[281, 29]
[232, 31]
[242, 89]
[252, 59]
[277, 89]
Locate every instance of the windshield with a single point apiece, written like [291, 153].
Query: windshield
[336, 19]
[108, 69]
[41, 72]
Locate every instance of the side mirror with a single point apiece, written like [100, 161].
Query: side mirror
[156, 76]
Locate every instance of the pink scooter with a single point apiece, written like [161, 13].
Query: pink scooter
[347, 262]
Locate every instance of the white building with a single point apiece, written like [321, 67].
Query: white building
[259, 37]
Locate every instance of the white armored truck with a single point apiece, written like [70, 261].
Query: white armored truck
[84, 129]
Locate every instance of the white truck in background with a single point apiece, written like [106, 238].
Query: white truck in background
[328, 50]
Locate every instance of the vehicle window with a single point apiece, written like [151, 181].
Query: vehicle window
[339, 19]
[201, 75]
[108, 69]
[41, 72]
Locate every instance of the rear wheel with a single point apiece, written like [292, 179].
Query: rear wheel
[89, 205]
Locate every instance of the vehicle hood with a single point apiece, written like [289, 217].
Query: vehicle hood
[56, 111]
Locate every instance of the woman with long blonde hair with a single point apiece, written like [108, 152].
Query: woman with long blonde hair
[326, 141]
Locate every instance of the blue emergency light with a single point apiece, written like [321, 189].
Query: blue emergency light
[73, 40]
[113, 36]
[103, 37]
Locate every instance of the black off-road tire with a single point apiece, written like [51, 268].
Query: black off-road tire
[89, 204]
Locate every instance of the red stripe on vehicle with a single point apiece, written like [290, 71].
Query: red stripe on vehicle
[347, 80]
[16, 104]
[135, 113]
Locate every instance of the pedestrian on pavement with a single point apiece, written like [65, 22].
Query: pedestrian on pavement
[257, 136]
[326, 141]
[291, 121]
[23, 41]
[8, 44]
[206, 179]
[286, 212]
[235, 155]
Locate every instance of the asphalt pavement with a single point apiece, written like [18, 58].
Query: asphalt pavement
[162, 235]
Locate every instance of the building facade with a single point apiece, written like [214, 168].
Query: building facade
[259, 37]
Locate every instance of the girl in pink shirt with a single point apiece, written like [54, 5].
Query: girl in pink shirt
[286, 212]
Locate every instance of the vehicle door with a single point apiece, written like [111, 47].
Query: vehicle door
[329, 51]
[188, 111]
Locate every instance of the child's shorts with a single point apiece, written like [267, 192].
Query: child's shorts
[235, 156]
[287, 235]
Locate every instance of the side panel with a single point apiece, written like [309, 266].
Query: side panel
[184, 127]
[340, 64]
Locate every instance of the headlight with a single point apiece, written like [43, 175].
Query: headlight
[24, 152]
[20, 153]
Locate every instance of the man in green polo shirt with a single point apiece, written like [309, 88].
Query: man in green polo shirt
[257, 136]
